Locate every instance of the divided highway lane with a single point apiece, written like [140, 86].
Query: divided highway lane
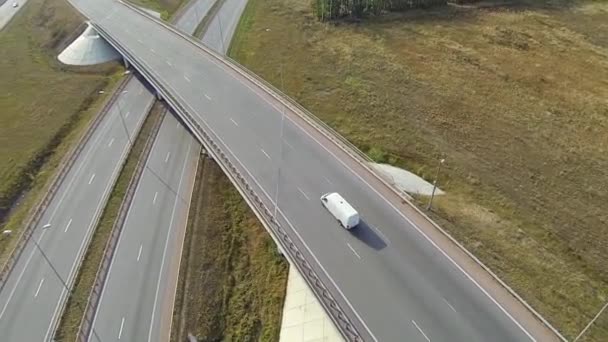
[33, 296]
[137, 299]
[138, 296]
[395, 278]
[221, 29]
[193, 14]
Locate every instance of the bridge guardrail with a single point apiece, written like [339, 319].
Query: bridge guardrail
[212, 143]
[351, 150]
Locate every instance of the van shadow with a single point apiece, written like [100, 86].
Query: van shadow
[368, 236]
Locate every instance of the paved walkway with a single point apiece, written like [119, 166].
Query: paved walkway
[304, 319]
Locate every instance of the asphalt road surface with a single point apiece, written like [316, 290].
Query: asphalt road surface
[222, 26]
[137, 300]
[7, 11]
[400, 283]
[193, 14]
[33, 296]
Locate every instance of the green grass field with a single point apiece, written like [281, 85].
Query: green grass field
[45, 106]
[513, 96]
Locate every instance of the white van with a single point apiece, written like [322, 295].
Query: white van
[344, 212]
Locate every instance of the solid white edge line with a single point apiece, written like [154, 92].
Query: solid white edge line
[197, 156]
[162, 264]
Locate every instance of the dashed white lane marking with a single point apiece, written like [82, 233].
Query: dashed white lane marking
[169, 63]
[122, 323]
[167, 158]
[450, 305]
[111, 142]
[39, 286]
[127, 115]
[288, 145]
[152, 50]
[354, 251]
[140, 41]
[68, 226]
[48, 225]
[208, 97]
[234, 122]
[303, 193]
[379, 232]
[266, 154]
[327, 180]
[422, 332]
[92, 177]
[10, 296]
[154, 200]
[186, 78]
[139, 253]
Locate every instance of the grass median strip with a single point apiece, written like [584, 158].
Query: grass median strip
[77, 302]
[513, 96]
[232, 280]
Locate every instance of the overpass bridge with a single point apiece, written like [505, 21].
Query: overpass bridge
[397, 276]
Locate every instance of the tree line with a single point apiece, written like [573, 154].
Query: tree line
[334, 9]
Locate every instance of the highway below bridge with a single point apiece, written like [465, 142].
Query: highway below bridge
[394, 277]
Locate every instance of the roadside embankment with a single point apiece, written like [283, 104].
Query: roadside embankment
[232, 279]
[46, 107]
